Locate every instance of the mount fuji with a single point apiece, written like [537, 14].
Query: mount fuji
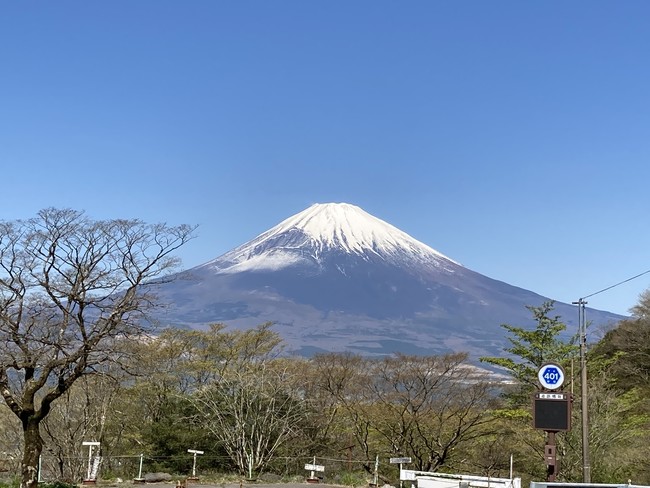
[334, 278]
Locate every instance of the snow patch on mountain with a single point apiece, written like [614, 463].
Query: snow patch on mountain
[265, 262]
[325, 227]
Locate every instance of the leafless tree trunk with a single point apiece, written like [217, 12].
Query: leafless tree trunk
[78, 415]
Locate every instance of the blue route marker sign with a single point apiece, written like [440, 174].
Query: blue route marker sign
[551, 376]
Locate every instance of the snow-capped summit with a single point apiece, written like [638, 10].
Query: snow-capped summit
[335, 278]
[329, 228]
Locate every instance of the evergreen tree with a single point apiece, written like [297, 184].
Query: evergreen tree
[530, 349]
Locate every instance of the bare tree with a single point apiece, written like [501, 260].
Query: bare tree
[426, 406]
[252, 412]
[79, 414]
[338, 390]
[70, 286]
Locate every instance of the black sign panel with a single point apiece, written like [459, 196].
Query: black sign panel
[552, 411]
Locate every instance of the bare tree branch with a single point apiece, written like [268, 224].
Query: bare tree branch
[69, 286]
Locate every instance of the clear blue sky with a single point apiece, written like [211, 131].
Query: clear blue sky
[511, 136]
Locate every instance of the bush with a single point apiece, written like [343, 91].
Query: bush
[348, 478]
[57, 484]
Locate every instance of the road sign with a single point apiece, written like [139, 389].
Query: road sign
[194, 452]
[551, 376]
[93, 464]
[552, 411]
[403, 460]
[314, 467]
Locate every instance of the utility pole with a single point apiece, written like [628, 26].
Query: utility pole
[586, 468]
[582, 325]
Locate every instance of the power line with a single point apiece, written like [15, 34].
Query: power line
[617, 284]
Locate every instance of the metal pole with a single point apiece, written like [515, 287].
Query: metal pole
[584, 402]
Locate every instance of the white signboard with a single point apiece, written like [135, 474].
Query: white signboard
[551, 396]
[403, 460]
[314, 467]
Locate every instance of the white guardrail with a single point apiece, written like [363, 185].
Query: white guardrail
[442, 480]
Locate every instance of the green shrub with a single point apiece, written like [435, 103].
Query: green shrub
[348, 478]
[57, 484]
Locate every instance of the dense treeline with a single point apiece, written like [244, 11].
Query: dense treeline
[236, 395]
[77, 364]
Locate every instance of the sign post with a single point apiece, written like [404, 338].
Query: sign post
[400, 461]
[313, 468]
[376, 477]
[195, 452]
[93, 466]
[551, 412]
[140, 479]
